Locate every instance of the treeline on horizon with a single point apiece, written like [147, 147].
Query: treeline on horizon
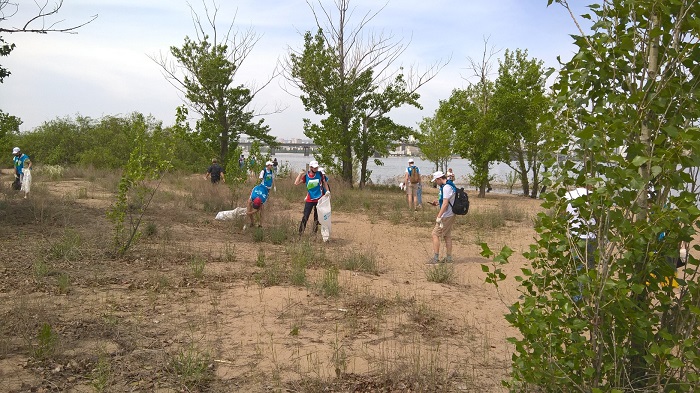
[107, 142]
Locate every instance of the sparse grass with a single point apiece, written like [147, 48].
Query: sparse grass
[272, 274]
[329, 286]
[258, 235]
[191, 367]
[298, 272]
[197, 265]
[490, 219]
[443, 273]
[150, 229]
[260, 260]
[64, 282]
[46, 343]
[67, 248]
[101, 375]
[311, 255]
[360, 262]
[229, 253]
[41, 268]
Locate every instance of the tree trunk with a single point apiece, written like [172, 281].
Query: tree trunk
[363, 172]
[525, 183]
[638, 372]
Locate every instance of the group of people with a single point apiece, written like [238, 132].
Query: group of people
[314, 178]
[445, 216]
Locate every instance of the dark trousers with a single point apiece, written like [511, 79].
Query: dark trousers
[308, 206]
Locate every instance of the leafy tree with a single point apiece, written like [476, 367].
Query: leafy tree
[345, 75]
[204, 71]
[520, 108]
[632, 93]
[9, 128]
[435, 140]
[5, 50]
[470, 114]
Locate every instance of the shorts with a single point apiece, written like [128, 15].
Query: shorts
[412, 189]
[446, 229]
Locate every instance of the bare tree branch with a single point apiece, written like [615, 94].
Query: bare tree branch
[8, 10]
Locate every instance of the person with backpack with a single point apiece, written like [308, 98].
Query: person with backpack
[445, 217]
[412, 181]
[267, 176]
[215, 172]
[315, 186]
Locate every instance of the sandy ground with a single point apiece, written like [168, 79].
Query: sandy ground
[134, 321]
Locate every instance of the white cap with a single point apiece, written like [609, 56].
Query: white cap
[268, 163]
[437, 175]
[410, 160]
[313, 164]
[15, 150]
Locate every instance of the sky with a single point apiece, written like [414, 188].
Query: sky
[105, 69]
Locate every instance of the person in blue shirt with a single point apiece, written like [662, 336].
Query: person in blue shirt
[21, 163]
[445, 217]
[267, 176]
[315, 188]
[257, 200]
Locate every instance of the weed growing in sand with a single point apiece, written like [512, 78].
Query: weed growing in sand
[151, 229]
[360, 262]
[298, 273]
[63, 282]
[67, 248]
[101, 375]
[396, 217]
[329, 283]
[191, 367]
[272, 274]
[40, 268]
[258, 235]
[260, 260]
[309, 254]
[229, 253]
[47, 342]
[197, 265]
[443, 273]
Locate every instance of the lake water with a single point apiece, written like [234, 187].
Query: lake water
[393, 170]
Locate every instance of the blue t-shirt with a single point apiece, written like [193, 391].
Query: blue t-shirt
[266, 177]
[314, 187]
[19, 162]
[259, 191]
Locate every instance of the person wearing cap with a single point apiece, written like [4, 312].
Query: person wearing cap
[267, 176]
[21, 162]
[275, 164]
[316, 186]
[257, 200]
[445, 217]
[412, 181]
[215, 172]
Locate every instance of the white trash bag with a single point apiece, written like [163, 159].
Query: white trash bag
[324, 215]
[231, 214]
[26, 181]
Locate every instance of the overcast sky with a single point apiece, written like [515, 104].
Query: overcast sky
[105, 68]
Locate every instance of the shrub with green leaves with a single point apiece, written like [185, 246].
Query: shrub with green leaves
[630, 101]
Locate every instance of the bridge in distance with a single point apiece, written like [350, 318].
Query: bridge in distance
[308, 148]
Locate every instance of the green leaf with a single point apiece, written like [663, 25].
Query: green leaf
[639, 161]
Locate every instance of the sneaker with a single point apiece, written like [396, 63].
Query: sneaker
[432, 261]
[448, 259]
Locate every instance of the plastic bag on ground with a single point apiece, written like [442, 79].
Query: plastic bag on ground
[324, 216]
[230, 214]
